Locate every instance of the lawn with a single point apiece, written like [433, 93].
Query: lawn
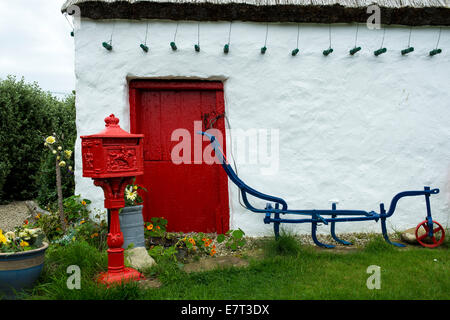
[282, 269]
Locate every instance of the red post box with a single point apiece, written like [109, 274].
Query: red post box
[112, 158]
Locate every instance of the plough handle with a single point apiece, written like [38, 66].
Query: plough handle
[427, 191]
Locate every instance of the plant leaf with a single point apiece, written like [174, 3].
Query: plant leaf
[238, 234]
[220, 238]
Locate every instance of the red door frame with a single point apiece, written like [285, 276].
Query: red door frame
[135, 86]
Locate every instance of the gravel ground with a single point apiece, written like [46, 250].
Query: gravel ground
[12, 215]
[357, 239]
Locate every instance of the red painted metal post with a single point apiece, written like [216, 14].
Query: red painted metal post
[114, 191]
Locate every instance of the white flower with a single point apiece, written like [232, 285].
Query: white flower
[34, 232]
[10, 235]
[130, 194]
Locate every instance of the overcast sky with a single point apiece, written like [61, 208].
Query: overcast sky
[35, 43]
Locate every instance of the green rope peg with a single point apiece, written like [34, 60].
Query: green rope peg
[72, 34]
[294, 52]
[379, 51]
[435, 52]
[407, 50]
[173, 46]
[263, 50]
[226, 48]
[144, 47]
[107, 46]
[327, 52]
[197, 48]
[355, 50]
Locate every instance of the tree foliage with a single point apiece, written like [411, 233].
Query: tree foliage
[28, 115]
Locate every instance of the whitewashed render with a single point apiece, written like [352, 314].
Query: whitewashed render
[357, 129]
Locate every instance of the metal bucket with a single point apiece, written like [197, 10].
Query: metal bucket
[132, 226]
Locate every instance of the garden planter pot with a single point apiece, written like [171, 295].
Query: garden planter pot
[20, 270]
[132, 226]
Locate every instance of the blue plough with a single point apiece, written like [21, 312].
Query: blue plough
[276, 207]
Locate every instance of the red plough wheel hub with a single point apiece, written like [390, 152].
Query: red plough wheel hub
[438, 234]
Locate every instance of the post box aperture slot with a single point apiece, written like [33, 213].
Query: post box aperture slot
[121, 141]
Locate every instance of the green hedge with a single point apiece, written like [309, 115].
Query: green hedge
[28, 115]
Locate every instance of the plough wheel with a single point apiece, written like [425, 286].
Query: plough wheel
[438, 234]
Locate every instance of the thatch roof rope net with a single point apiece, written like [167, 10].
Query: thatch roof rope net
[344, 3]
[397, 12]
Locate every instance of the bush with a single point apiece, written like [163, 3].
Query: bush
[28, 115]
[80, 226]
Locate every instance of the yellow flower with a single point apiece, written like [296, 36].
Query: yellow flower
[68, 153]
[50, 140]
[83, 203]
[24, 244]
[62, 163]
[2, 238]
[150, 227]
[135, 187]
[59, 148]
[82, 221]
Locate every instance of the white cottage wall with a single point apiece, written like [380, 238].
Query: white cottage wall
[355, 128]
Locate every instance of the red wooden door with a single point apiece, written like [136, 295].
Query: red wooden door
[192, 197]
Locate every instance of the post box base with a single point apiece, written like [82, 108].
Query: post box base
[128, 274]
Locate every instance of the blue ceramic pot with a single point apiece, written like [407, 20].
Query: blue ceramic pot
[20, 270]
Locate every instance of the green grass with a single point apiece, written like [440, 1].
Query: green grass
[286, 271]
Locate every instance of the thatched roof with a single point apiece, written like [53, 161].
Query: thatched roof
[403, 12]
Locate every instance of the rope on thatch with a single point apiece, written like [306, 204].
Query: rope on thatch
[344, 3]
[402, 12]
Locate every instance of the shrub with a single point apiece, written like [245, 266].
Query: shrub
[28, 114]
